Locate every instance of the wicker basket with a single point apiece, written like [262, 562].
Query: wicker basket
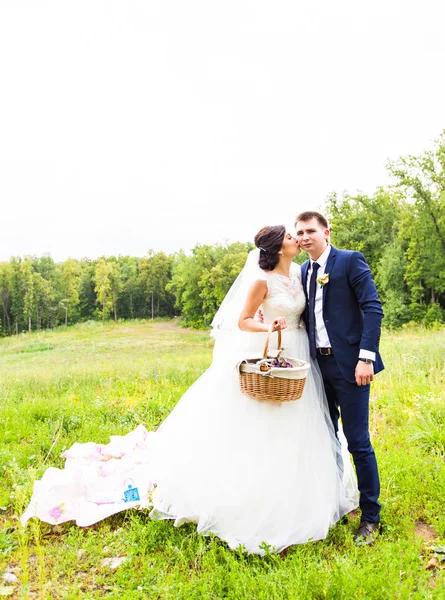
[276, 384]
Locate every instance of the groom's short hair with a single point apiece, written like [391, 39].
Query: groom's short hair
[312, 214]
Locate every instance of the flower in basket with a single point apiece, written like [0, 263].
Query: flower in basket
[281, 363]
[323, 280]
[274, 362]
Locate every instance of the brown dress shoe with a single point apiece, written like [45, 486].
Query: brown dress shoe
[366, 533]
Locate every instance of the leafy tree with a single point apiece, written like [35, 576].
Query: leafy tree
[42, 297]
[50, 291]
[17, 293]
[434, 315]
[195, 277]
[366, 224]
[103, 287]
[216, 282]
[187, 286]
[5, 295]
[70, 280]
[391, 284]
[422, 180]
[130, 300]
[27, 284]
[115, 283]
[87, 293]
[154, 276]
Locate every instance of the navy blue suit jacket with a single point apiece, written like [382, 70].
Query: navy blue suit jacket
[352, 311]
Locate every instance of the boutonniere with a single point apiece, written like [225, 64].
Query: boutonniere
[323, 280]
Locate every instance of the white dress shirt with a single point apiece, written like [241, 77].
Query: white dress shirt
[321, 334]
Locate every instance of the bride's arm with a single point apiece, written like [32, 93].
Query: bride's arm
[255, 297]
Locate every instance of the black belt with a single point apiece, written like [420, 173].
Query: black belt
[325, 351]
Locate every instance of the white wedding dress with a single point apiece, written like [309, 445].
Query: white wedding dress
[253, 473]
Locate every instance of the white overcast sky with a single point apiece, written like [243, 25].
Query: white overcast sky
[127, 125]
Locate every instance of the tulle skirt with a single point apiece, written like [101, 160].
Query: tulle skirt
[256, 474]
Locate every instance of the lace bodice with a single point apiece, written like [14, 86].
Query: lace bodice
[285, 297]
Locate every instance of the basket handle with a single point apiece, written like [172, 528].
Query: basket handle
[266, 345]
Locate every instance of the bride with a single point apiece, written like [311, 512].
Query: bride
[256, 474]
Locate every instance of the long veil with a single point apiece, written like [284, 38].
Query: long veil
[226, 319]
[232, 344]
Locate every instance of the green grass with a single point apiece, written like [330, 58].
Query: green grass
[95, 380]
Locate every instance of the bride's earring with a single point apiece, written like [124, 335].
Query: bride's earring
[280, 253]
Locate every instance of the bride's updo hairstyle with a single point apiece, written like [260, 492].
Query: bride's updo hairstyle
[270, 241]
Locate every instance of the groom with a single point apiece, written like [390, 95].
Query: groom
[343, 316]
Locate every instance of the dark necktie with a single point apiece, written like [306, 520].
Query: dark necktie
[312, 292]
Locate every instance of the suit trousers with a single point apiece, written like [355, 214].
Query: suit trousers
[351, 402]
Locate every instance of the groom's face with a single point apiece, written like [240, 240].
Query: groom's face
[312, 237]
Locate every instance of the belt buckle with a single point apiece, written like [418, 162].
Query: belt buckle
[325, 351]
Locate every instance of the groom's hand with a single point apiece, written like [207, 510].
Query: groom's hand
[364, 373]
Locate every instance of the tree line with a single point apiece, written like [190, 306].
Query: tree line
[37, 293]
[400, 229]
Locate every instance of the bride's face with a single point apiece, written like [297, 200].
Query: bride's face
[290, 246]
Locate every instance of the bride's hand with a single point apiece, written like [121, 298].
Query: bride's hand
[278, 324]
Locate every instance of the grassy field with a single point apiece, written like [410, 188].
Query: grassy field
[93, 380]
